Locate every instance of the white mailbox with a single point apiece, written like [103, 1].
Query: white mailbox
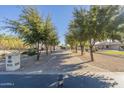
[12, 61]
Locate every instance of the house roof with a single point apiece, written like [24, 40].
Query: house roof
[108, 42]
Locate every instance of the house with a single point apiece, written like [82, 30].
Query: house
[111, 45]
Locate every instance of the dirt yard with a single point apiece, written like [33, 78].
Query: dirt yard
[111, 63]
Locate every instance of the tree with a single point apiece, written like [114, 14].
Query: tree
[96, 24]
[80, 27]
[34, 30]
[53, 40]
[115, 26]
[29, 26]
[49, 33]
[72, 30]
[70, 40]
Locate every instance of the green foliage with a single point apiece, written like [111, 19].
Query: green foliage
[50, 34]
[31, 52]
[29, 26]
[96, 24]
[70, 40]
[33, 29]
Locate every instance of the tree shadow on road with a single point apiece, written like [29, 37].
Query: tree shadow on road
[51, 81]
[89, 81]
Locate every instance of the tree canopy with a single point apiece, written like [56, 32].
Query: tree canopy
[96, 24]
[33, 29]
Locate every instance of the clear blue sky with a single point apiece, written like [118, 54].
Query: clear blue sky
[61, 15]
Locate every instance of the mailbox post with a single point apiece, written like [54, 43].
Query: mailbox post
[12, 61]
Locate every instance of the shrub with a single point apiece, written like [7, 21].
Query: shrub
[2, 56]
[31, 52]
[25, 52]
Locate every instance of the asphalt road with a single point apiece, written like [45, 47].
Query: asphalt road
[51, 81]
[28, 81]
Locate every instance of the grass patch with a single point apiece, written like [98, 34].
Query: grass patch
[113, 52]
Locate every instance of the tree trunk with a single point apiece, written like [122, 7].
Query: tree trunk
[82, 48]
[38, 53]
[76, 48]
[50, 49]
[71, 48]
[54, 48]
[41, 47]
[91, 53]
[46, 49]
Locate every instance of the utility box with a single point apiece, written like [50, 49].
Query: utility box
[12, 61]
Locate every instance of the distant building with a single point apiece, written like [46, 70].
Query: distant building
[108, 44]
